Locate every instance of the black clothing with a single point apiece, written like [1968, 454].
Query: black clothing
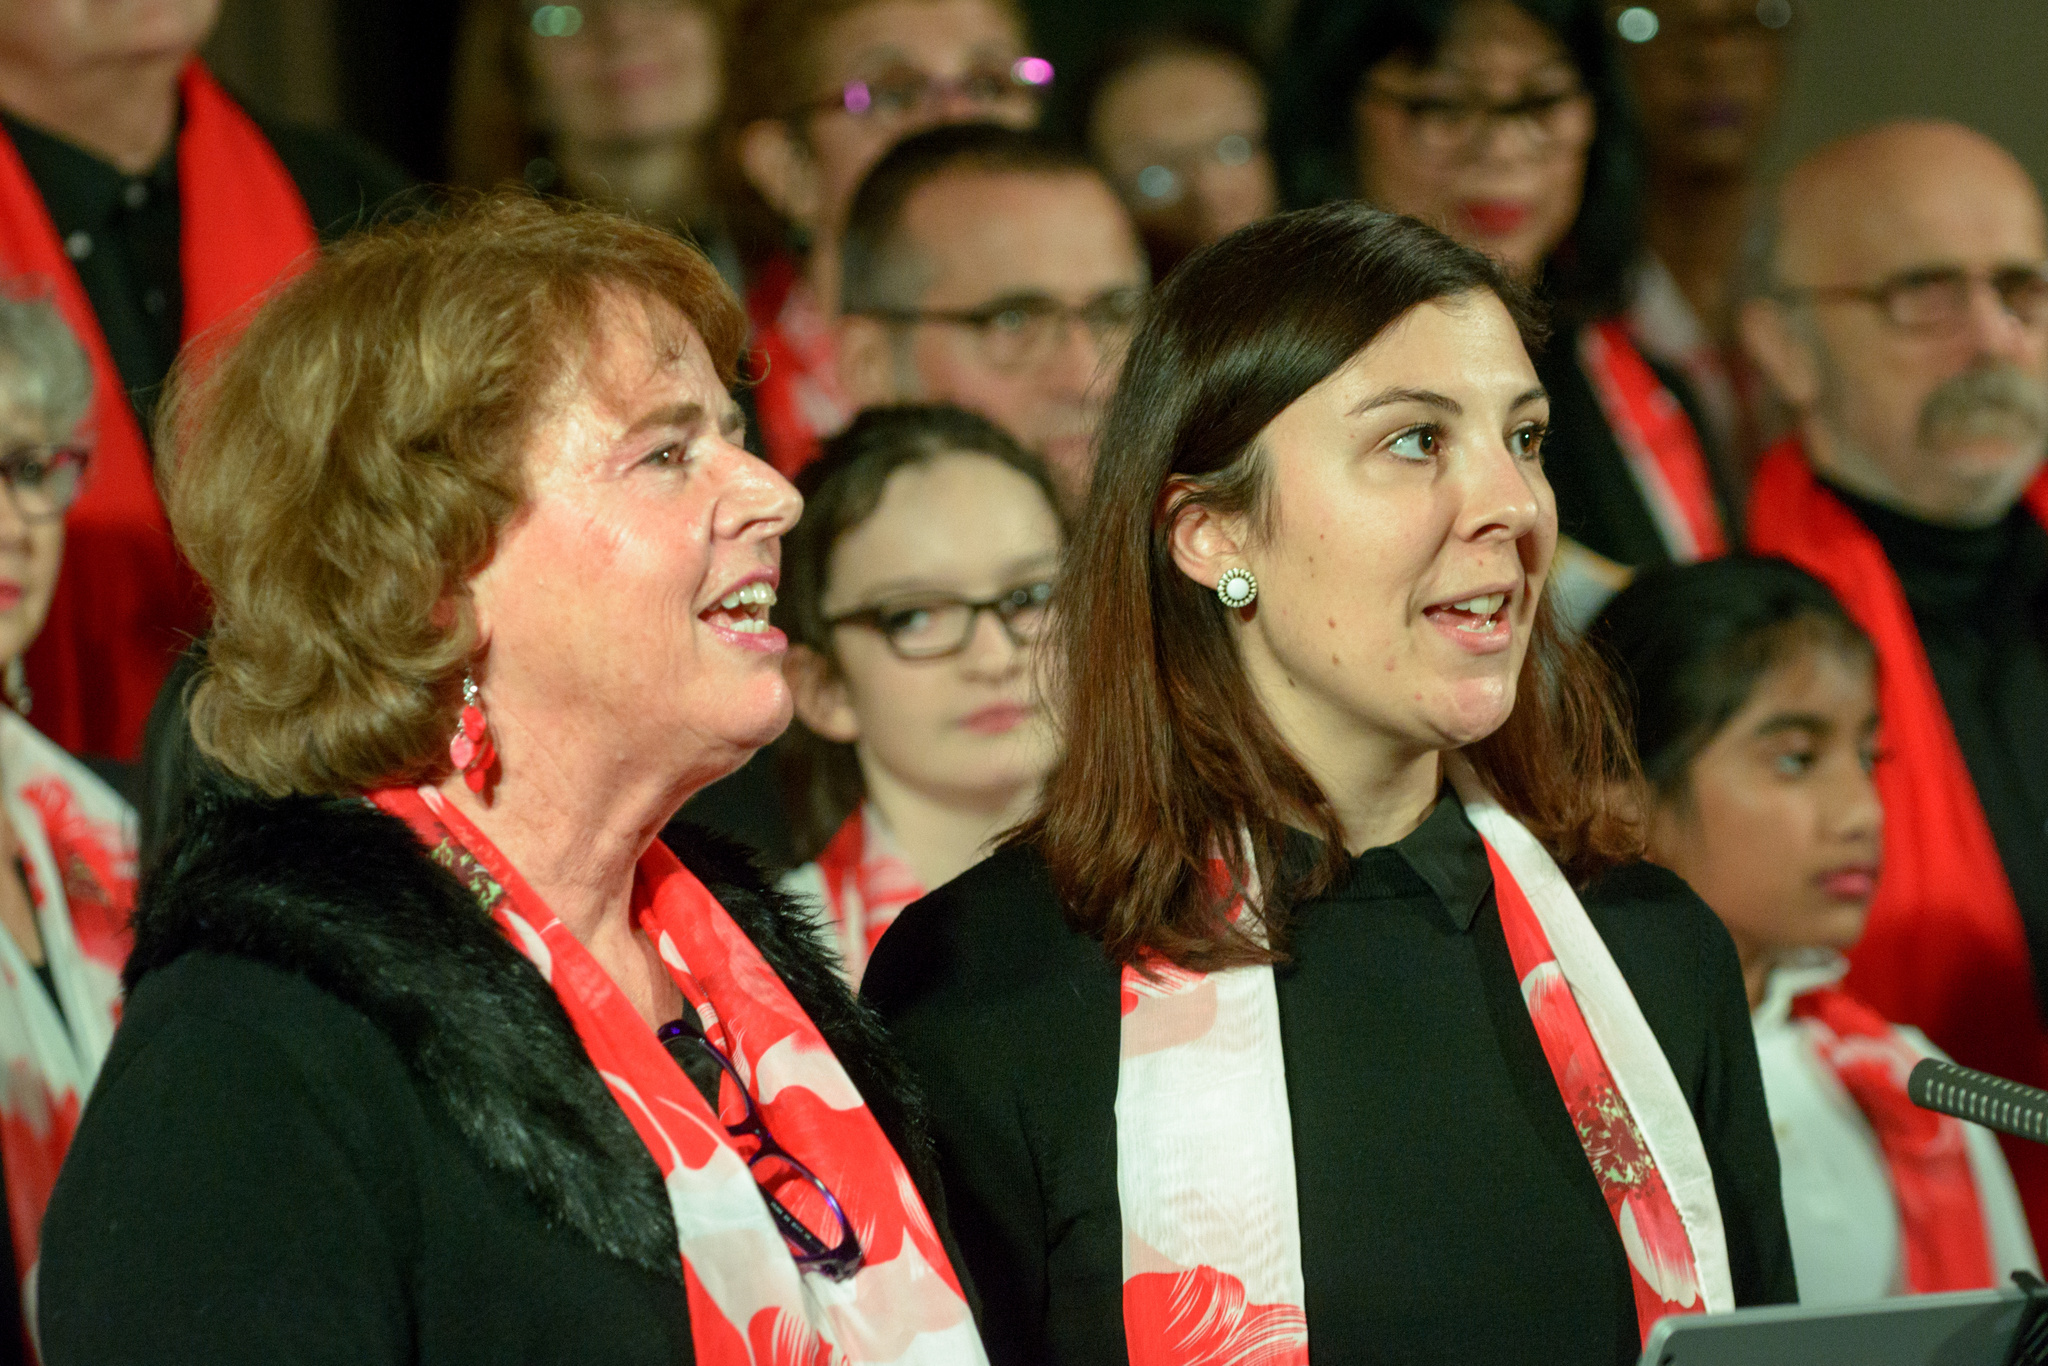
[121, 231]
[1447, 1209]
[344, 1120]
[1979, 598]
[1598, 503]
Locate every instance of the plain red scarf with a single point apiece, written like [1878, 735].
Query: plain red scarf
[126, 602]
[1944, 948]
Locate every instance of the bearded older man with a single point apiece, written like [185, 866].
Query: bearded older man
[1903, 315]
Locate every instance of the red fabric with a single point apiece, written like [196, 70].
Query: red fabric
[748, 1302]
[1944, 948]
[1660, 1258]
[798, 399]
[126, 602]
[1658, 441]
[1941, 1221]
[867, 882]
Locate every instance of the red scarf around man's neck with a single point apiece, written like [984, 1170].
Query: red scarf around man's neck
[126, 602]
[1944, 948]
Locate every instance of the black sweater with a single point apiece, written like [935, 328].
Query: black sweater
[1447, 1209]
[344, 1120]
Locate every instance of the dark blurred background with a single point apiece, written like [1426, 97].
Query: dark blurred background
[380, 68]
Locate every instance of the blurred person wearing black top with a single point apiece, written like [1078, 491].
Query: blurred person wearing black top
[612, 101]
[1253, 1037]
[1900, 309]
[1708, 76]
[1507, 125]
[1176, 115]
[158, 208]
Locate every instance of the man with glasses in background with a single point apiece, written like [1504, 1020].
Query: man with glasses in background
[986, 268]
[1899, 307]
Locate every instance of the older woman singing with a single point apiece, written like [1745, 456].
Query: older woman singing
[432, 1052]
[1320, 1007]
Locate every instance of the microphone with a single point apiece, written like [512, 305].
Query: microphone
[1980, 1098]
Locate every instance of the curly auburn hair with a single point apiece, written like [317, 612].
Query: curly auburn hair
[337, 473]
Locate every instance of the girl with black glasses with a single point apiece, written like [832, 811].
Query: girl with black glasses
[913, 592]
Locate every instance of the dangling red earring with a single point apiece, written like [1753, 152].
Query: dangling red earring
[471, 751]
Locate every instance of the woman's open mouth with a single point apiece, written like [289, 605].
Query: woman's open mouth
[1479, 623]
[741, 616]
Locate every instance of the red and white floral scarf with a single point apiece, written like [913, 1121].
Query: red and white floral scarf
[861, 882]
[749, 1303]
[1205, 1147]
[1927, 1155]
[77, 842]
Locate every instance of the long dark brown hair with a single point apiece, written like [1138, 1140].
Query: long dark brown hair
[1168, 751]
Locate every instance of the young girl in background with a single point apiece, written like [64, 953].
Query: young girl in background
[913, 591]
[1756, 718]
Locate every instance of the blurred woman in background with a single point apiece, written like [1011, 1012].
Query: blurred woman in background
[817, 91]
[1176, 116]
[612, 101]
[1320, 1010]
[1505, 123]
[67, 842]
[913, 591]
[1756, 717]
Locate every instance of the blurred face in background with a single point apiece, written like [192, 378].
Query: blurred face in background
[962, 726]
[59, 36]
[1034, 284]
[1183, 137]
[1487, 140]
[624, 71]
[1778, 827]
[1707, 79]
[39, 476]
[887, 70]
[1910, 324]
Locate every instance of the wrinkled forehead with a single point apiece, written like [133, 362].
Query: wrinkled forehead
[1857, 223]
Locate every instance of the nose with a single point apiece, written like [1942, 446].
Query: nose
[1994, 331]
[755, 500]
[1500, 496]
[990, 652]
[14, 528]
[1853, 812]
[1078, 357]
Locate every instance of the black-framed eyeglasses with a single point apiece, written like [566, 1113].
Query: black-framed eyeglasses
[907, 91]
[43, 480]
[1023, 331]
[1937, 298]
[1445, 124]
[938, 626]
[771, 1164]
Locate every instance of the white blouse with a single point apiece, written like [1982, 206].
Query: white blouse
[1839, 1206]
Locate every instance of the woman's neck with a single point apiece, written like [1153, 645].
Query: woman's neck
[942, 837]
[574, 821]
[1695, 225]
[660, 179]
[123, 112]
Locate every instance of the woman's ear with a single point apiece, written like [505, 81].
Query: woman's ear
[1204, 541]
[820, 695]
[780, 169]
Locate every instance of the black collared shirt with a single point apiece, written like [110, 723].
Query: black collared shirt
[1447, 1209]
[1979, 598]
[120, 231]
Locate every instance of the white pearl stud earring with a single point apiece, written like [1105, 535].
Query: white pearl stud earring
[1237, 587]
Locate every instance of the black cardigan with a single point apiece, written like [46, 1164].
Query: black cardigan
[344, 1120]
[1448, 1213]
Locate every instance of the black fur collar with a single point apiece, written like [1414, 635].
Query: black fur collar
[343, 895]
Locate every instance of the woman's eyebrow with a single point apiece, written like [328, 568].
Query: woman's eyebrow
[1388, 397]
